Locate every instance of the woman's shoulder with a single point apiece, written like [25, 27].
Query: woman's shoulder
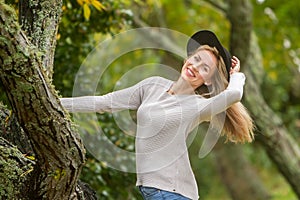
[157, 79]
[156, 82]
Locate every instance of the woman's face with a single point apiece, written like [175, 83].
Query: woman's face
[199, 68]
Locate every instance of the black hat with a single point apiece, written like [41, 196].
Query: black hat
[206, 37]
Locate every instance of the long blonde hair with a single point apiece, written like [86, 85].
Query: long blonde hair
[238, 126]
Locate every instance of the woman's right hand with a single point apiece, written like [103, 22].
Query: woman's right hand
[235, 65]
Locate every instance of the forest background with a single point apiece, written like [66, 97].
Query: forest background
[263, 34]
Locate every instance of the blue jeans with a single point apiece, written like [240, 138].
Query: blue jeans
[150, 193]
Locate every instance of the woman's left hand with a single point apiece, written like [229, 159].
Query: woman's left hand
[235, 65]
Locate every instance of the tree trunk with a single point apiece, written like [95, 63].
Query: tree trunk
[18, 166]
[12, 132]
[58, 149]
[39, 20]
[271, 133]
[237, 174]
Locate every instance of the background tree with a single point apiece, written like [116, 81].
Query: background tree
[270, 63]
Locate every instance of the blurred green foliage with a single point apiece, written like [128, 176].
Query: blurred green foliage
[76, 37]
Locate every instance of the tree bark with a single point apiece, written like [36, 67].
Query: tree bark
[18, 166]
[58, 148]
[39, 20]
[12, 132]
[282, 149]
[15, 166]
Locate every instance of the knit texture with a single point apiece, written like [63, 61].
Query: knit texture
[164, 122]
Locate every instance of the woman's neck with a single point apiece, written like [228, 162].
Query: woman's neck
[181, 87]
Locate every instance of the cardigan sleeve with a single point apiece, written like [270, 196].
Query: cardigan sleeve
[219, 103]
[129, 98]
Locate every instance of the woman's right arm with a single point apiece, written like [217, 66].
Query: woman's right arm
[129, 98]
[219, 103]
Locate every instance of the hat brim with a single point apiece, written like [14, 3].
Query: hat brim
[206, 37]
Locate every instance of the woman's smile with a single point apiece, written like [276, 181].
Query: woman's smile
[190, 72]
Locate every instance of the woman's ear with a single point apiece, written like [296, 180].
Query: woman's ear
[207, 83]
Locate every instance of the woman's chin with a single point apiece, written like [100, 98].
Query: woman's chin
[188, 78]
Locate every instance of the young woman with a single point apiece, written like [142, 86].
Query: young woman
[167, 111]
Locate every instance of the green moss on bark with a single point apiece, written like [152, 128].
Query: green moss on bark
[14, 170]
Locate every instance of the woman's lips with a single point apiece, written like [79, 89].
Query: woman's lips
[190, 72]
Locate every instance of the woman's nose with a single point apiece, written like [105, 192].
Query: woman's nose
[195, 67]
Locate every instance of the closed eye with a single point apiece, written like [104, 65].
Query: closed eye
[197, 58]
[206, 69]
